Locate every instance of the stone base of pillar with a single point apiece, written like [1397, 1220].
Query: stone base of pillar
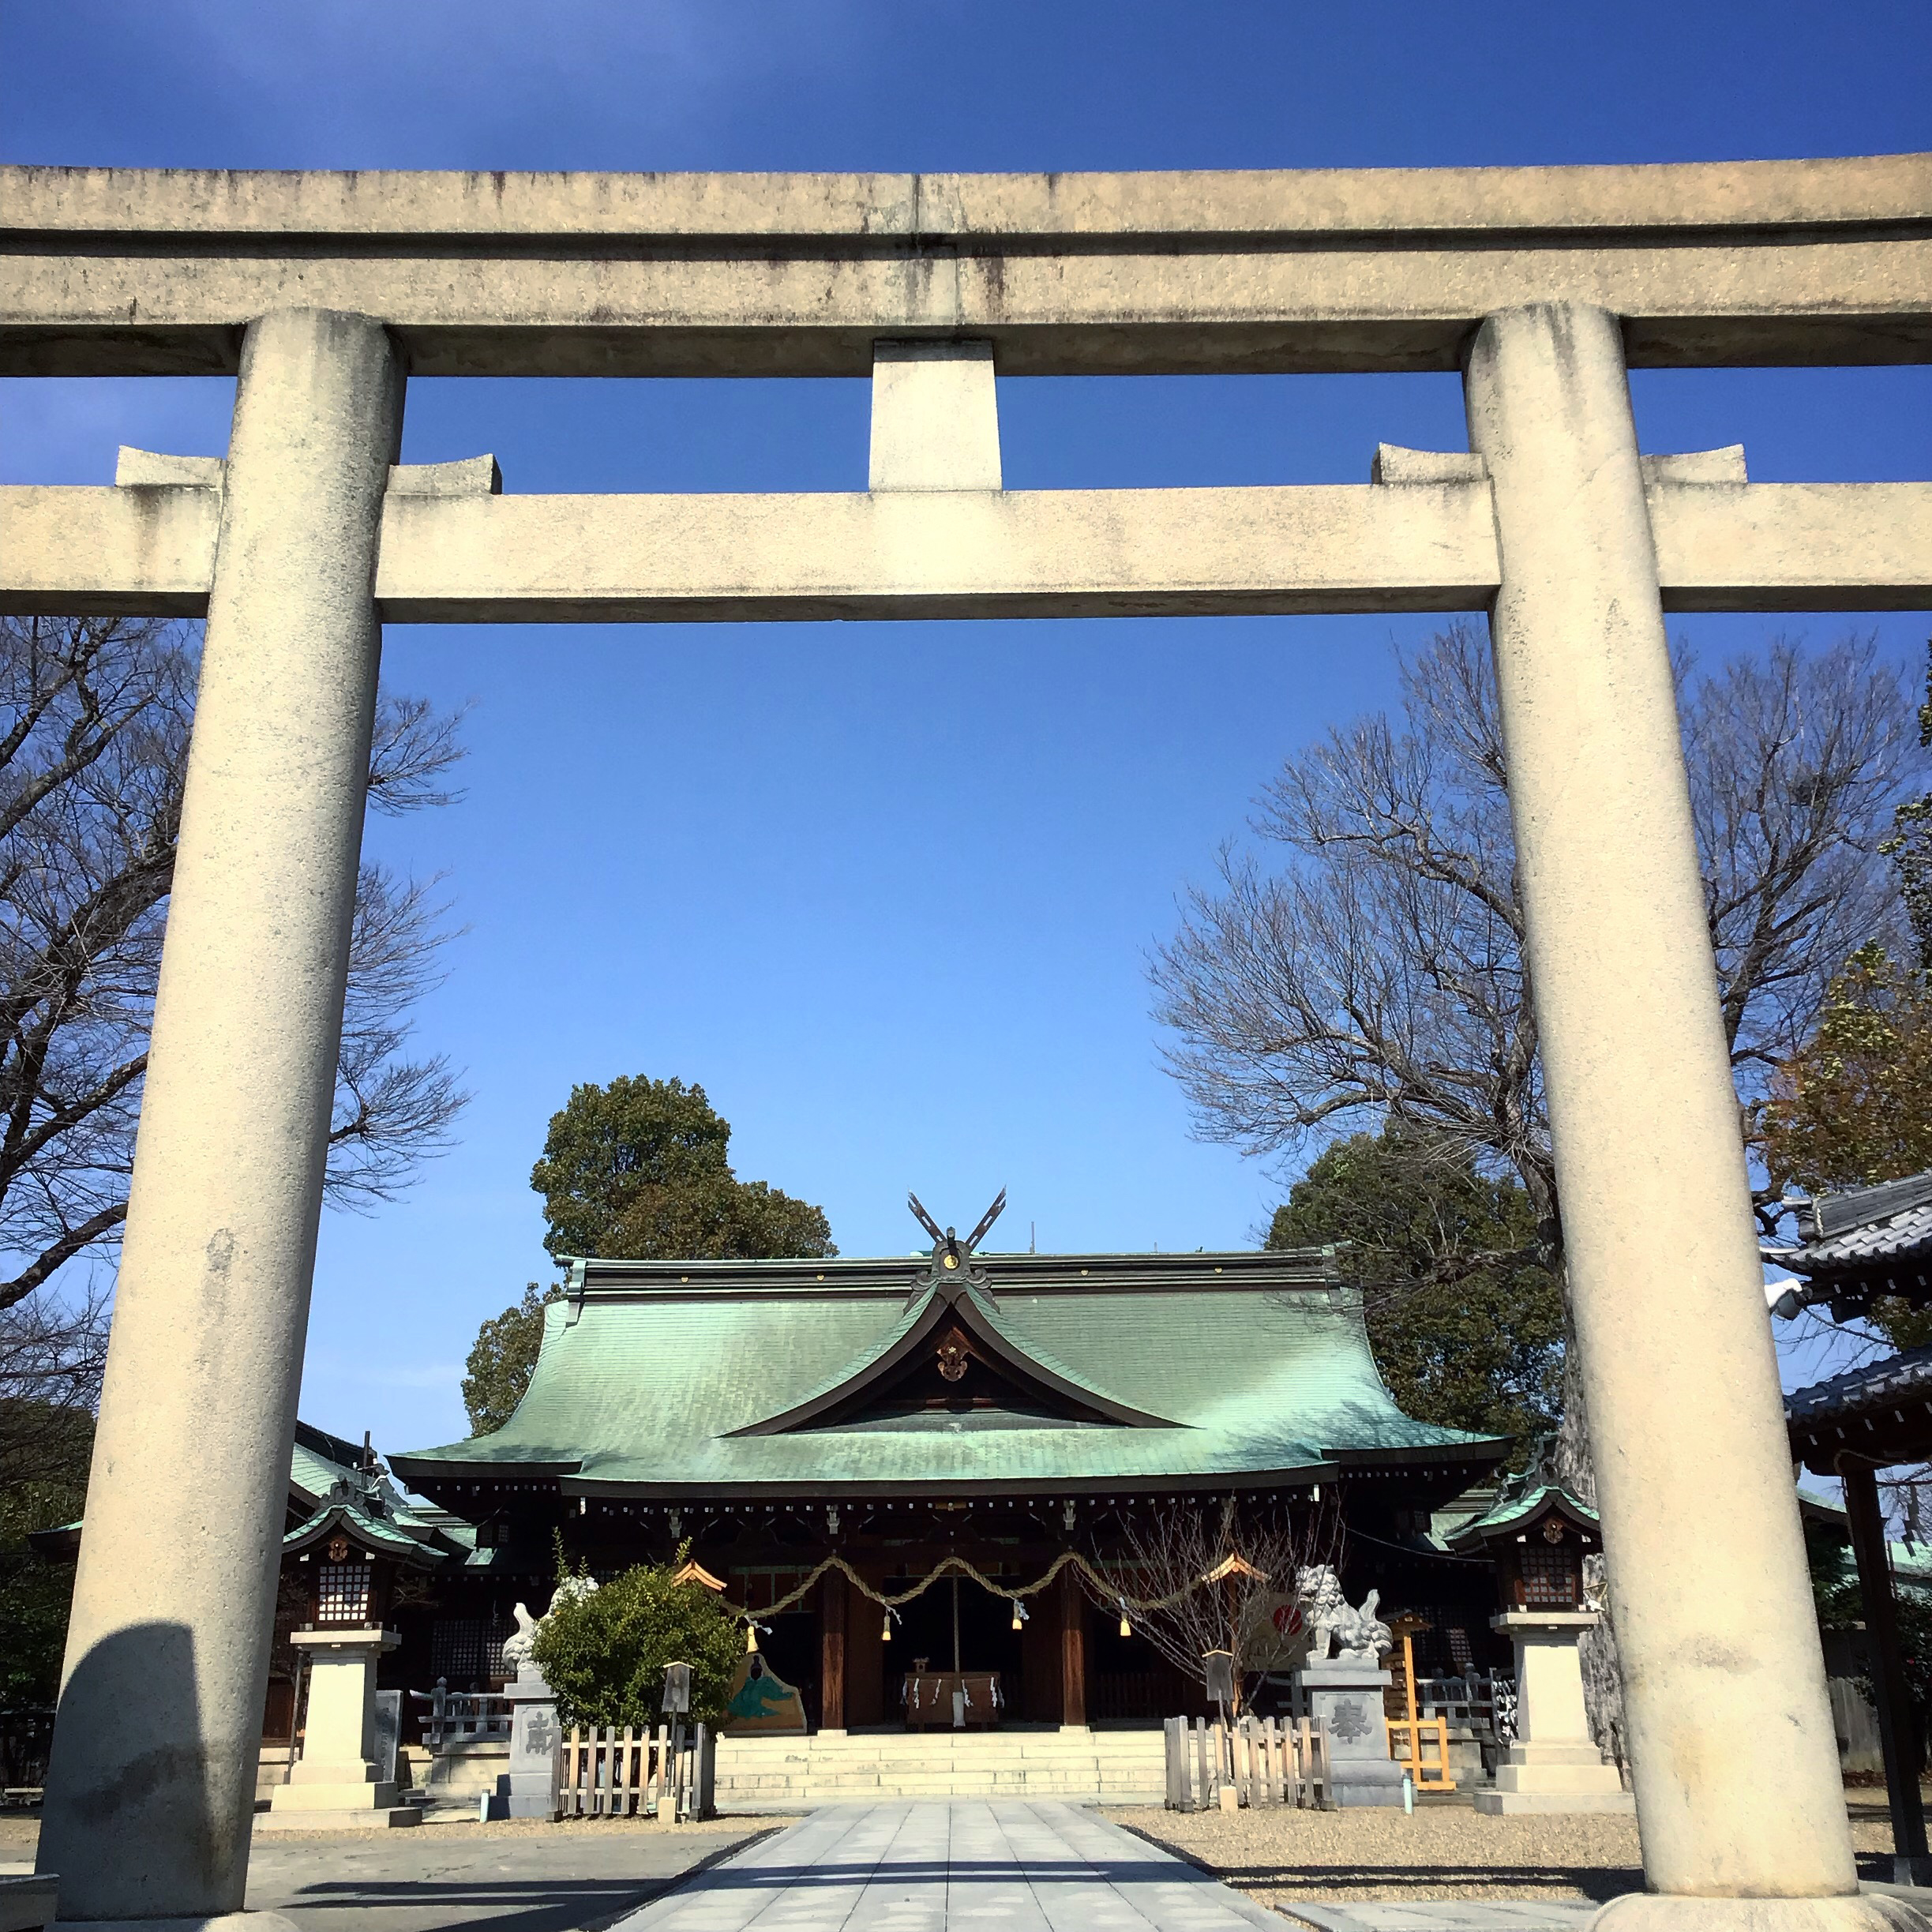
[334, 1786]
[336, 1798]
[1553, 1765]
[1554, 1777]
[1658, 1911]
[217, 1921]
[530, 1788]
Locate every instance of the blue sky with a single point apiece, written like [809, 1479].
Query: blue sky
[887, 891]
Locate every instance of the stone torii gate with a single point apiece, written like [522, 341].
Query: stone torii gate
[1541, 285]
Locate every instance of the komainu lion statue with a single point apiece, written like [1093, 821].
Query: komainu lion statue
[517, 1646]
[1361, 1635]
[1318, 1592]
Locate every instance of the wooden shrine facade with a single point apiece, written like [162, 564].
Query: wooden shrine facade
[1000, 1410]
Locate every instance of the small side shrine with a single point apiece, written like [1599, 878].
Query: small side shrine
[1539, 1534]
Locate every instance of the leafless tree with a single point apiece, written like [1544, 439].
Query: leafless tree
[95, 720]
[1196, 1577]
[1379, 971]
[52, 1351]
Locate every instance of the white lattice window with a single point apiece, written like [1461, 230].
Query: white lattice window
[343, 1593]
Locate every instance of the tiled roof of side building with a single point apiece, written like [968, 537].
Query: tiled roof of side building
[1881, 1412]
[730, 1378]
[1864, 1228]
[1874, 1385]
[323, 1467]
[320, 1460]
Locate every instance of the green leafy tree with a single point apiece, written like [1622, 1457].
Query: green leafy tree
[34, 1590]
[1854, 1105]
[1466, 1325]
[604, 1653]
[639, 1170]
[499, 1364]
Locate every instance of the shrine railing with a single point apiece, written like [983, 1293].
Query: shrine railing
[1483, 1702]
[456, 1717]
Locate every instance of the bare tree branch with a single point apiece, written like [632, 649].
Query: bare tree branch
[1379, 971]
[95, 715]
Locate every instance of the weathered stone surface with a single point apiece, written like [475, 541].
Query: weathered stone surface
[1679, 1371]
[167, 1651]
[469, 557]
[1321, 269]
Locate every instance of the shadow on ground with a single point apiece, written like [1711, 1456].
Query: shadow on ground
[414, 1882]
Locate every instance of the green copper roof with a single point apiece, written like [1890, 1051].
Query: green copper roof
[1516, 1506]
[353, 1517]
[320, 1461]
[726, 1378]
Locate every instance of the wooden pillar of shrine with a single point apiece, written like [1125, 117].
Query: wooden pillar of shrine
[1072, 1653]
[1897, 1728]
[866, 1657]
[833, 1591]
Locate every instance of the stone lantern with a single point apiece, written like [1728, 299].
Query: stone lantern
[353, 1554]
[1539, 1535]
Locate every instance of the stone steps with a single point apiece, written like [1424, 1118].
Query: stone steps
[776, 1774]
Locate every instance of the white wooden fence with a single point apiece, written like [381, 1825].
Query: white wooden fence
[631, 1771]
[1263, 1760]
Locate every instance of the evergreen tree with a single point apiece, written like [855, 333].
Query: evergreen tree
[639, 1171]
[500, 1363]
[34, 1590]
[1466, 1324]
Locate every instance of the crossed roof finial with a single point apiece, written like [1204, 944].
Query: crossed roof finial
[956, 1250]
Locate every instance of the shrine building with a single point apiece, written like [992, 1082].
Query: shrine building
[1001, 1407]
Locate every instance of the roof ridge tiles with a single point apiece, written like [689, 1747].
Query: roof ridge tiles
[1835, 1214]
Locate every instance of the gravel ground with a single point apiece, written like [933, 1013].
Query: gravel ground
[1443, 1852]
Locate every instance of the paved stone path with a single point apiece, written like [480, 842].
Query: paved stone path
[1002, 1865]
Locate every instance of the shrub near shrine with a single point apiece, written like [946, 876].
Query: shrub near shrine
[604, 1651]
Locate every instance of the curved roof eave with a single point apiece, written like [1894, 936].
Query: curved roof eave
[381, 1537]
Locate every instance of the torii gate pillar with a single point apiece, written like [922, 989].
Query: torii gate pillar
[151, 1791]
[1687, 1417]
